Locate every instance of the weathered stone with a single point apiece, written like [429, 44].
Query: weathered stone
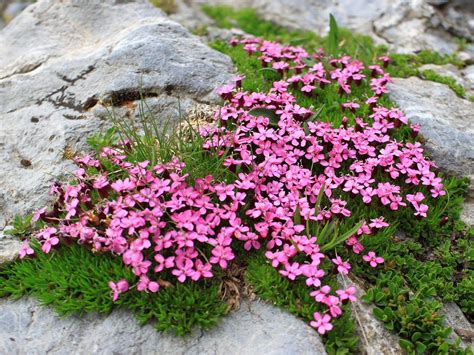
[467, 214]
[312, 15]
[405, 26]
[457, 17]
[449, 70]
[374, 338]
[447, 121]
[59, 63]
[461, 76]
[468, 74]
[256, 328]
[189, 14]
[9, 247]
[14, 9]
[462, 328]
[408, 27]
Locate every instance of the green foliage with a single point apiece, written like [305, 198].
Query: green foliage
[22, 226]
[102, 139]
[161, 143]
[75, 281]
[415, 317]
[451, 82]
[436, 263]
[332, 45]
[168, 6]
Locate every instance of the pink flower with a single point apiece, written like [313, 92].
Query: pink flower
[100, 182]
[343, 267]
[321, 323]
[378, 223]
[146, 285]
[291, 271]
[118, 288]
[37, 215]
[348, 294]
[221, 255]
[321, 294]
[25, 249]
[123, 185]
[372, 259]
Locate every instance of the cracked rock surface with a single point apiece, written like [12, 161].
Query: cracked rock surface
[406, 26]
[9, 247]
[59, 61]
[29, 328]
[446, 121]
[447, 125]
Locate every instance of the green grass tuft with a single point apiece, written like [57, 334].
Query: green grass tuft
[451, 82]
[73, 280]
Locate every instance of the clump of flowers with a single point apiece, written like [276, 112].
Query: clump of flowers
[149, 216]
[295, 179]
[297, 170]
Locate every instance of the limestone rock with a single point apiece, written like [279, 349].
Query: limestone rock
[256, 328]
[404, 26]
[9, 247]
[455, 319]
[463, 77]
[14, 9]
[449, 70]
[375, 339]
[457, 17]
[61, 60]
[468, 74]
[312, 15]
[447, 121]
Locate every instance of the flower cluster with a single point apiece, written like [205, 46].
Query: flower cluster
[296, 180]
[300, 172]
[151, 217]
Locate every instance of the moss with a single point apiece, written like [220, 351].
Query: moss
[75, 281]
[451, 82]
[168, 6]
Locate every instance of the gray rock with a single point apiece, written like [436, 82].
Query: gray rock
[467, 214]
[449, 70]
[404, 26]
[256, 328]
[437, 2]
[9, 247]
[313, 15]
[375, 339]
[410, 26]
[468, 74]
[463, 77]
[14, 9]
[457, 17]
[447, 122]
[189, 14]
[61, 62]
[455, 319]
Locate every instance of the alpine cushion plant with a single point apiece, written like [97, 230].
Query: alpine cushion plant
[299, 169]
[298, 184]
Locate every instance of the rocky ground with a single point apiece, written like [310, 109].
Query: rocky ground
[54, 57]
